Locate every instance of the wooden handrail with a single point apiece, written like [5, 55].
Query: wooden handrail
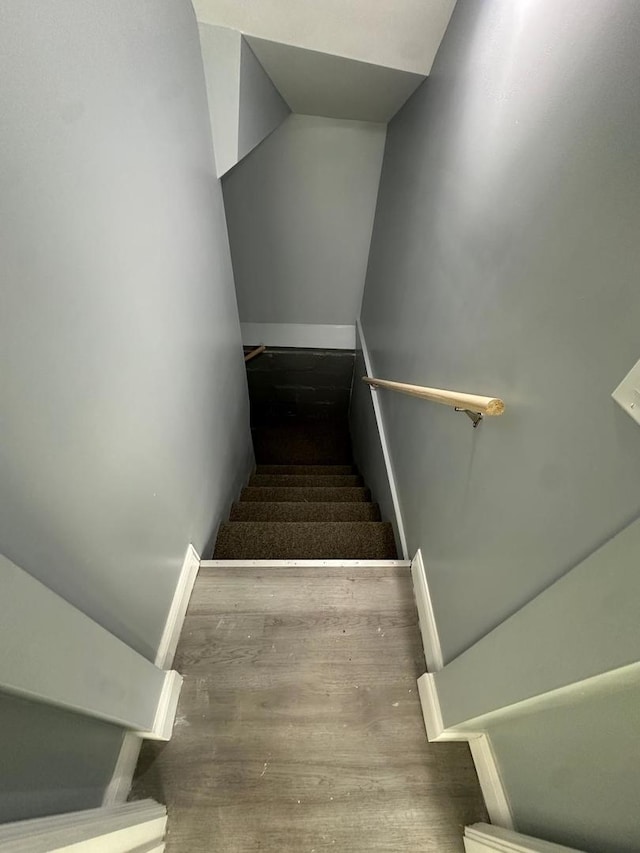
[472, 402]
[254, 352]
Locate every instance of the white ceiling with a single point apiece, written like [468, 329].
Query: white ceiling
[401, 34]
[315, 83]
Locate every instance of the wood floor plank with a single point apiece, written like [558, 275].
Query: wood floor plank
[299, 726]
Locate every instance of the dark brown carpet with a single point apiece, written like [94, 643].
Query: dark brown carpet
[305, 501]
[301, 511]
[300, 481]
[274, 493]
[307, 470]
[309, 540]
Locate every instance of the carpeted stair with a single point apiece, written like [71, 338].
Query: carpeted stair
[305, 501]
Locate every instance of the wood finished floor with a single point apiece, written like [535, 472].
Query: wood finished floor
[299, 726]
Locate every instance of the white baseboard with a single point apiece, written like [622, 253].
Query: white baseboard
[484, 838]
[118, 788]
[178, 609]
[166, 710]
[399, 522]
[493, 791]
[126, 827]
[431, 711]
[426, 615]
[304, 335]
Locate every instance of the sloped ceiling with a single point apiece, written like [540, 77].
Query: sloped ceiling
[400, 34]
[315, 83]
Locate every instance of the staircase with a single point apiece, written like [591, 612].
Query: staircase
[306, 499]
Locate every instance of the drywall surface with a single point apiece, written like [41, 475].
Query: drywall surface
[315, 83]
[405, 34]
[504, 261]
[221, 50]
[262, 108]
[300, 210]
[53, 761]
[244, 105]
[572, 771]
[583, 626]
[124, 405]
[50, 650]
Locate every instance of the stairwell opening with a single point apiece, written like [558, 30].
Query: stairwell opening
[306, 499]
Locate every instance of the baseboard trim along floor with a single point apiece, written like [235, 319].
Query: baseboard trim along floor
[493, 791]
[178, 609]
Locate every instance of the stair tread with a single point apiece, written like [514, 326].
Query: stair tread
[313, 481]
[340, 511]
[312, 540]
[310, 494]
[307, 470]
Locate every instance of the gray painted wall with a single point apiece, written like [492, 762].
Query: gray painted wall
[324, 84]
[244, 105]
[558, 684]
[300, 210]
[262, 108]
[582, 761]
[583, 626]
[221, 50]
[52, 760]
[124, 405]
[504, 261]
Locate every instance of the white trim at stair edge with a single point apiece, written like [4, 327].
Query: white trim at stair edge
[426, 615]
[383, 443]
[431, 712]
[493, 791]
[305, 335]
[166, 709]
[484, 837]
[177, 611]
[119, 786]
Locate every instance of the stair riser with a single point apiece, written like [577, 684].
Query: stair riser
[299, 481]
[308, 470]
[300, 511]
[348, 495]
[311, 541]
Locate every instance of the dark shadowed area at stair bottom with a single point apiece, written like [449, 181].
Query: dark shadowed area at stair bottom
[306, 499]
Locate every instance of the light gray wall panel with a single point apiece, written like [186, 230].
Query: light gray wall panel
[221, 50]
[53, 761]
[572, 771]
[300, 210]
[124, 403]
[123, 393]
[504, 261]
[261, 107]
[582, 626]
[323, 84]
